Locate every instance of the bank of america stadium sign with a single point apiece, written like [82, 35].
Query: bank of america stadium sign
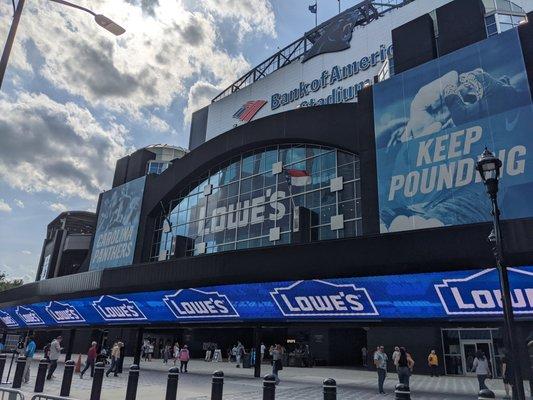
[473, 294]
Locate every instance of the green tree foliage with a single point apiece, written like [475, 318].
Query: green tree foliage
[6, 284]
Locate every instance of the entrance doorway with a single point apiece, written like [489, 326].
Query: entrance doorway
[469, 348]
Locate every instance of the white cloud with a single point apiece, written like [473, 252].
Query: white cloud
[19, 203]
[58, 148]
[200, 95]
[27, 252]
[4, 207]
[58, 207]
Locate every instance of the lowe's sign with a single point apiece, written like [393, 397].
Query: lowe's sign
[470, 295]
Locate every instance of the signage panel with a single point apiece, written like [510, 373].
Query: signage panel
[118, 222]
[433, 121]
[468, 295]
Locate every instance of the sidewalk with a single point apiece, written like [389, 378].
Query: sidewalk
[239, 384]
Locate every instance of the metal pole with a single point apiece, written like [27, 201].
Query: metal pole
[67, 378]
[217, 385]
[41, 376]
[2, 365]
[172, 383]
[269, 387]
[330, 389]
[10, 40]
[70, 345]
[19, 370]
[133, 381]
[508, 314]
[137, 351]
[96, 389]
[257, 346]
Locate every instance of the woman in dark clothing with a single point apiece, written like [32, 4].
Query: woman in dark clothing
[508, 375]
[405, 366]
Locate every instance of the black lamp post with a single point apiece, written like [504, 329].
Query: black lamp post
[488, 167]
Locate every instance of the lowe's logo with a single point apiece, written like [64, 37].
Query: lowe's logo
[480, 294]
[63, 313]
[322, 299]
[8, 320]
[113, 309]
[29, 316]
[197, 304]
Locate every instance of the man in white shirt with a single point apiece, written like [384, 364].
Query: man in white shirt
[55, 352]
[263, 348]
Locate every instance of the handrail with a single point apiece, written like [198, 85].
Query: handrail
[13, 394]
[43, 396]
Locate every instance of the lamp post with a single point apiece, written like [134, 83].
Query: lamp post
[100, 19]
[488, 167]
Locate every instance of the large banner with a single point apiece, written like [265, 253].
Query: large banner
[118, 222]
[441, 295]
[433, 121]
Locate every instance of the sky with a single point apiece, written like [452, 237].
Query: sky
[75, 98]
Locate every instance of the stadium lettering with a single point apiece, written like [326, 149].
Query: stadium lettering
[65, 315]
[200, 307]
[125, 310]
[338, 302]
[492, 299]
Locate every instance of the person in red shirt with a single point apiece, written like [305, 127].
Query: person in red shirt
[91, 359]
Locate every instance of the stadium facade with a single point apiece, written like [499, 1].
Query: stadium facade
[329, 198]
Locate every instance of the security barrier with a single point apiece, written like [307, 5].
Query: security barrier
[42, 396]
[11, 394]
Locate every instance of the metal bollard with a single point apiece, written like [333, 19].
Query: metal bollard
[269, 387]
[41, 376]
[330, 389]
[402, 392]
[96, 389]
[172, 383]
[3, 359]
[67, 378]
[133, 381]
[19, 371]
[485, 394]
[217, 385]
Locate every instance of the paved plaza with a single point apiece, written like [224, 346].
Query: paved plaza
[296, 384]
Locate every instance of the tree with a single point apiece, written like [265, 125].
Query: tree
[6, 284]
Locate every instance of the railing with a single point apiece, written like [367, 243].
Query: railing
[42, 396]
[12, 394]
[367, 11]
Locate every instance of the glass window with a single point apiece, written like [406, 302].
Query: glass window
[248, 200]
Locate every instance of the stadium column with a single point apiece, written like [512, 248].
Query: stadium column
[257, 347]
[71, 338]
[138, 346]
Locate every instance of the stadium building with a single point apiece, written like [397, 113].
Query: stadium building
[329, 199]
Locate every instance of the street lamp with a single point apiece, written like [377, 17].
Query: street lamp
[100, 19]
[488, 167]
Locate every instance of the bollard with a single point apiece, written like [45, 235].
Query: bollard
[19, 371]
[172, 383]
[133, 381]
[67, 378]
[269, 387]
[486, 394]
[217, 386]
[96, 389]
[41, 376]
[402, 392]
[3, 359]
[330, 389]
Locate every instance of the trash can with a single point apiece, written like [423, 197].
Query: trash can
[246, 361]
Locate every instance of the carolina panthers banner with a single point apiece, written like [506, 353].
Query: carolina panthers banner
[443, 295]
[118, 221]
[433, 121]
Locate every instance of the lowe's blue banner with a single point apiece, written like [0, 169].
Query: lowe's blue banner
[442, 295]
[433, 121]
[118, 222]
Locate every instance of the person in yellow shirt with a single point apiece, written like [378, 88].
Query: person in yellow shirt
[433, 362]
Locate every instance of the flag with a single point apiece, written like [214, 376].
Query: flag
[297, 177]
[312, 8]
[248, 111]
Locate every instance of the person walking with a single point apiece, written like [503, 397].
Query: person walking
[481, 368]
[364, 356]
[433, 362]
[263, 348]
[115, 356]
[380, 361]
[92, 353]
[29, 352]
[277, 361]
[405, 366]
[54, 353]
[396, 357]
[508, 375]
[176, 352]
[184, 358]
[239, 353]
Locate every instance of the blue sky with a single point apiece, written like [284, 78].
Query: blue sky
[75, 98]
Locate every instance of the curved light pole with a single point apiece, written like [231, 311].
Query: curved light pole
[100, 19]
[488, 167]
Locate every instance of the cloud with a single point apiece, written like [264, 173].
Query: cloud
[19, 203]
[200, 95]
[4, 207]
[58, 207]
[26, 252]
[57, 148]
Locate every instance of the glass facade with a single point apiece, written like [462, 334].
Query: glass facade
[502, 15]
[247, 202]
[157, 167]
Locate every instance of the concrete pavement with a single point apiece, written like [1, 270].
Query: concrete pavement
[239, 383]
